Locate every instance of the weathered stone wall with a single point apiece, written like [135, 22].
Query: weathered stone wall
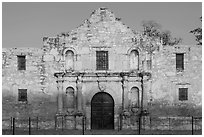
[38, 79]
[166, 81]
[101, 32]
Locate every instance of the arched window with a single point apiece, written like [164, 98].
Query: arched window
[134, 98]
[70, 98]
[69, 60]
[134, 59]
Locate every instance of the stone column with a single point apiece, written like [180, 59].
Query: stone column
[145, 91]
[60, 93]
[79, 93]
[125, 87]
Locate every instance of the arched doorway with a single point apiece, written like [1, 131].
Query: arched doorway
[102, 111]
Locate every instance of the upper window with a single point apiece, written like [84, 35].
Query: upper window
[179, 61]
[183, 94]
[21, 62]
[69, 60]
[22, 95]
[101, 60]
[134, 59]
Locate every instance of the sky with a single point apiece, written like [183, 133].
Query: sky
[25, 24]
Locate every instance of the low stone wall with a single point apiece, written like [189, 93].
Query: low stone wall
[162, 123]
[130, 123]
[65, 122]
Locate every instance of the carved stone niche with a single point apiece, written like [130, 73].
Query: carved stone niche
[69, 100]
[134, 100]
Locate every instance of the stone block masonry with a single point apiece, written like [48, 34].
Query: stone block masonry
[38, 79]
[62, 77]
[166, 81]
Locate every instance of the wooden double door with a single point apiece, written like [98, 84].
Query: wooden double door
[102, 111]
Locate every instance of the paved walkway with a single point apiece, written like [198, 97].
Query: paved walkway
[102, 132]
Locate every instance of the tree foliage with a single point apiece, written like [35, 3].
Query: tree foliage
[153, 30]
[198, 34]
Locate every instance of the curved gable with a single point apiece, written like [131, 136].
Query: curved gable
[101, 29]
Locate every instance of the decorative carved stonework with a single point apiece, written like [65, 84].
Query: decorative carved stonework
[102, 87]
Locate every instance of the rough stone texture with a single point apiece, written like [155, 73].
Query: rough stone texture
[38, 79]
[166, 81]
[101, 32]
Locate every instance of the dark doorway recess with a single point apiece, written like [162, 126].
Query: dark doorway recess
[102, 111]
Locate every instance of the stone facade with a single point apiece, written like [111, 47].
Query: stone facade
[62, 77]
[166, 81]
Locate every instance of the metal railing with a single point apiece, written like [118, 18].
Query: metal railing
[32, 125]
[152, 123]
[61, 124]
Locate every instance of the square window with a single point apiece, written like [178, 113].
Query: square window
[21, 62]
[22, 95]
[101, 60]
[179, 61]
[183, 94]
